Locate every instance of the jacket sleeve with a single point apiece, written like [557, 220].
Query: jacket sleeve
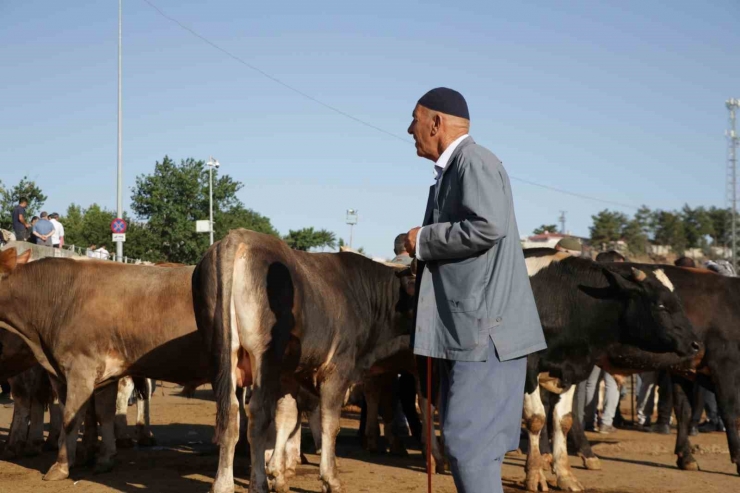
[485, 215]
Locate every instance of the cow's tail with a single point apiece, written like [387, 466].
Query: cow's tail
[223, 384]
[212, 288]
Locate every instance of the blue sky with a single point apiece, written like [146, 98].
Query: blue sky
[623, 101]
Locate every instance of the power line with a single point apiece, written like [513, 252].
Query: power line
[351, 117]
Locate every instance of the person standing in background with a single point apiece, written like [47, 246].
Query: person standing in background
[21, 228]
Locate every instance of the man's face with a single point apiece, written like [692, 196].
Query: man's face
[424, 132]
[24, 204]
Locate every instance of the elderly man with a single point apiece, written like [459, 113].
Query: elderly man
[475, 312]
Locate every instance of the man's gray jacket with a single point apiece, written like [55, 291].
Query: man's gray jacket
[474, 283]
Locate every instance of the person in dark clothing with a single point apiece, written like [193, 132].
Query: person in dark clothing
[21, 228]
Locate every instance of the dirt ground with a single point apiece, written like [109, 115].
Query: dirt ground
[184, 461]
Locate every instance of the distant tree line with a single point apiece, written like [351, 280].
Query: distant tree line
[165, 204]
[689, 227]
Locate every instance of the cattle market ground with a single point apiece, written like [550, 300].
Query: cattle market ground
[184, 461]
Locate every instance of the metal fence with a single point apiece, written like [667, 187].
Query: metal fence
[68, 251]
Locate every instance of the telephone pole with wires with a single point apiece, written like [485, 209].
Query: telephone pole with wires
[732, 105]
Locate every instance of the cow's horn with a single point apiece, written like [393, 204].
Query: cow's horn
[638, 275]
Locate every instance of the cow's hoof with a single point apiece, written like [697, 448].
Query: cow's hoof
[103, 467]
[331, 486]
[569, 483]
[304, 459]
[687, 464]
[536, 481]
[124, 443]
[278, 485]
[56, 473]
[146, 441]
[592, 463]
[738, 468]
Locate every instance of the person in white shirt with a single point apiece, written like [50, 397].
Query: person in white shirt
[57, 238]
[102, 253]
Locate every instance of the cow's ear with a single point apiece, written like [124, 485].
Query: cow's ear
[24, 257]
[623, 285]
[8, 261]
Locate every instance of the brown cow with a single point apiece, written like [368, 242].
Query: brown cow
[95, 322]
[271, 314]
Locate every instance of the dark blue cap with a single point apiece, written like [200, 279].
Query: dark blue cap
[447, 101]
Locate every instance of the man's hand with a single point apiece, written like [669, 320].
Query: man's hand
[410, 243]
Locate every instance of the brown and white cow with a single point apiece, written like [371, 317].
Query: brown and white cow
[275, 317]
[95, 322]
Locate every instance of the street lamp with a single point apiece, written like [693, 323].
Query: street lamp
[351, 220]
[212, 163]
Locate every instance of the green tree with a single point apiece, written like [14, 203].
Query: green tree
[669, 230]
[307, 238]
[697, 225]
[607, 226]
[546, 228]
[644, 219]
[636, 238]
[9, 199]
[172, 198]
[721, 220]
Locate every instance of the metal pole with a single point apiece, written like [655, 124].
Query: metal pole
[351, 228]
[210, 194]
[119, 244]
[732, 105]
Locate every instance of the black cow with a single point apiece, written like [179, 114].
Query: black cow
[274, 317]
[712, 304]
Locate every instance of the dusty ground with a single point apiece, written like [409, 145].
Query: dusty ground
[185, 461]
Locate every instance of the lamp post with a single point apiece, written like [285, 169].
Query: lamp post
[351, 220]
[212, 163]
[119, 185]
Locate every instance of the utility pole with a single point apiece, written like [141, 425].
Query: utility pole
[119, 211]
[732, 105]
[212, 163]
[562, 221]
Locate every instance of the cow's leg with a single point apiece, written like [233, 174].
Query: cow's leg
[371, 389]
[562, 420]
[105, 410]
[535, 419]
[242, 445]
[123, 437]
[86, 454]
[19, 424]
[332, 396]
[387, 410]
[35, 441]
[293, 450]
[55, 426]
[286, 416]
[224, 481]
[79, 390]
[314, 424]
[682, 389]
[728, 401]
[144, 435]
[582, 445]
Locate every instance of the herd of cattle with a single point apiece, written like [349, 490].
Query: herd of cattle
[282, 333]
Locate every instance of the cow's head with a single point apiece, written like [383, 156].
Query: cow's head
[653, 318]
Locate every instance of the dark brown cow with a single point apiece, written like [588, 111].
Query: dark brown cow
[94, 322]
[272, 315]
